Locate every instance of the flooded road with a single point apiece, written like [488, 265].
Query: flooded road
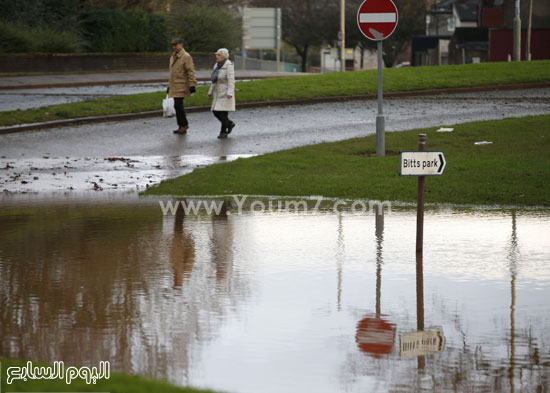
[267, 302]
[149, 143]
[280, 302]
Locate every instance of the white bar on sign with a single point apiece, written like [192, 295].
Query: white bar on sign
[386, 17]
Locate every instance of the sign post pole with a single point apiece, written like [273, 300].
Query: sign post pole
[420, 202]
[380, 121]
[422, 163]
[377, 20]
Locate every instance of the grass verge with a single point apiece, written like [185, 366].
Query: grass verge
[304, 87]
[513, 170]
[117, 383]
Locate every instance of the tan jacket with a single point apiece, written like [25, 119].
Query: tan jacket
[182, 74]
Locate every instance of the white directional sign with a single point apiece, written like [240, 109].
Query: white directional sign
[422, 163]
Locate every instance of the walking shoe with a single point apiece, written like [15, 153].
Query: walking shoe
[181, 130]
[230, 128]
[223, 135]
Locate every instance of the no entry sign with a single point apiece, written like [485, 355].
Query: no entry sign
[377, 19]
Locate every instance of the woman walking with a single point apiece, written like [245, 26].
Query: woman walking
[222, 90]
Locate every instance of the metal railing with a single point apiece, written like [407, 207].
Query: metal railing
[247, 63]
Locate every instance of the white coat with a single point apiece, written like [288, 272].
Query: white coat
[224, 86]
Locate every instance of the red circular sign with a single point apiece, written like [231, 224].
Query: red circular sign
[377, 19]
[375, 336]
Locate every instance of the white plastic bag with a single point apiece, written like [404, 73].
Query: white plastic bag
[168, 107]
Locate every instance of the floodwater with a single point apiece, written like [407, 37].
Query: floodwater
[279, 301]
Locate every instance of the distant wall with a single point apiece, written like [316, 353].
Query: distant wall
[501, 44]
[95, 62]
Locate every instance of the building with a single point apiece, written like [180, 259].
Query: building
[471, 31]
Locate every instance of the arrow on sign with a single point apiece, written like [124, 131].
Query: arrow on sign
[376, 34]
[423, 163]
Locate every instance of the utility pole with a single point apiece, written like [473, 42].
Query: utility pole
[529, 26]
[517, 33]
[343, 31]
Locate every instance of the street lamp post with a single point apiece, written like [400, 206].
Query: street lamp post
[529, 26]
[517, 33]
[343, 30]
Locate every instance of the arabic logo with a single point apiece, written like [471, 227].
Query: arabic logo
[58, 371]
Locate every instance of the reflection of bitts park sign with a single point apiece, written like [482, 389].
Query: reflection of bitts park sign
[261, 28]
[421, 343]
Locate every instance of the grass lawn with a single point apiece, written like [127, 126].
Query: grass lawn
[117, 383]
[304, 87]
[513, 170]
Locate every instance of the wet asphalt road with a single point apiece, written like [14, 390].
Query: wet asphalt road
[16, 92]
[131, 155]
[34, 98]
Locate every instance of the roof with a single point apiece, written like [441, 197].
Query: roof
[480, 45]
[466, 10]
[444, 4]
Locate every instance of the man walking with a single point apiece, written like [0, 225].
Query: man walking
[182, 82]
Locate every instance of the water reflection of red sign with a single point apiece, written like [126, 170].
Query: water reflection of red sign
[375, 336]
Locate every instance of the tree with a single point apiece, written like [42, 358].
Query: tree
[116, 30]
[57, 14]
[306, 23]
[411, 22]
[412, 14]
[140, 5]
[204, 28]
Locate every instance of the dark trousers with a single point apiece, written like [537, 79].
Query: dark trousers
[180, 112]
[223, 117]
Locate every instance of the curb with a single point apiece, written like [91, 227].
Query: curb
[120, 82]
[249, 105]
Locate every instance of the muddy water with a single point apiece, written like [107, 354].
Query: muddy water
[279, 302]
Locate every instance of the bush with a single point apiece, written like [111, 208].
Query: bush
[115, 30]
[53, 41]
[16, 38]
[205, 28]
[40, 26]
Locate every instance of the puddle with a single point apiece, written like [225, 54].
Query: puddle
[280, 302]
[46, 174]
